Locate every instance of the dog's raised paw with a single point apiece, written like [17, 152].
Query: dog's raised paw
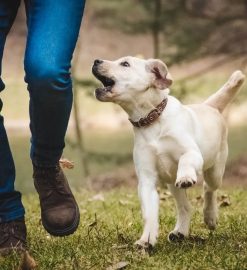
[175, 237]
[185, 182]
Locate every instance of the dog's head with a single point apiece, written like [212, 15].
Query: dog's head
[129, 77]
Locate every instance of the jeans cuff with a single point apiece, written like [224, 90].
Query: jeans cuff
[44, 164]
[20, 213]
[44, 159]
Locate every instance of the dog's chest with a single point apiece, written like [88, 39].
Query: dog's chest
[166, 168]
[165, 158]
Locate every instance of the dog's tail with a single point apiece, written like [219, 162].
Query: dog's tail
[227, 92]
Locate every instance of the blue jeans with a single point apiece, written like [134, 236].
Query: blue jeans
[53, 28]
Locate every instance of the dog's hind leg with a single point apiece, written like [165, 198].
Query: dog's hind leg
[210, 209]
[183, 214]
[213, 180]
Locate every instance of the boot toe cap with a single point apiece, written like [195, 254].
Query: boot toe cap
[61, 222]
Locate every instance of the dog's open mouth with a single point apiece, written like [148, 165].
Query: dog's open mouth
[107, 82]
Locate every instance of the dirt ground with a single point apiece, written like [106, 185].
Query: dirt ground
[235, 176]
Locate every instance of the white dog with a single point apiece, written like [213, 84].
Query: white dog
[173, 142]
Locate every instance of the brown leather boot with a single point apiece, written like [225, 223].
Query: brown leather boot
[13, 236]
[59, 210]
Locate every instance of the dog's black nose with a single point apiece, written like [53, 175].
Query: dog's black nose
[97, 62]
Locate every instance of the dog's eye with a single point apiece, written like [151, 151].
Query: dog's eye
[125, 64]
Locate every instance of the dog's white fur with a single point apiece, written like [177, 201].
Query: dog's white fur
[186, 140]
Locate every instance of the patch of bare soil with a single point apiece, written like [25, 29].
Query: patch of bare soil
[116, 179]
[235, 176]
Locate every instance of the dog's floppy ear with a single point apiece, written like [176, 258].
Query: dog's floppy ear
[162, 78]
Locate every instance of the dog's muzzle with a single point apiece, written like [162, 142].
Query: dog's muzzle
[107, 82]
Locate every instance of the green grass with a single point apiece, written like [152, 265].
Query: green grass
[108, 230]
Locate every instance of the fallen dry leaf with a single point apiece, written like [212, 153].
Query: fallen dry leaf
[223, 197]
[119, 265]
[28, 262]
[198, 198]
[67, 164]
[164, 195]
[226, 202]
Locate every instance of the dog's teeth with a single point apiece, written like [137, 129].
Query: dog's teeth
[108, 88]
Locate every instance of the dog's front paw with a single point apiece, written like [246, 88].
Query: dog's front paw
[147, 241]
[185, 182]
[175, 236]
[141, 244]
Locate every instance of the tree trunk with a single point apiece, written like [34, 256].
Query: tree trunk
[76, 114]
[79, 134]
[156, 27]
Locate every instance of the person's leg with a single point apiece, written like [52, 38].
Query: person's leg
[11, 207]
[12, 224]
[53, 28]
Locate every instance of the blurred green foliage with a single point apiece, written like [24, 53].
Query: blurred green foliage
[187, 29]
[181, 30]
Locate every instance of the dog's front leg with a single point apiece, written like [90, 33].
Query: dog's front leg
[150, 208]
[190, 164]
[147, 177]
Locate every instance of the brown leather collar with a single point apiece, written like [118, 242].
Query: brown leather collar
[151, 117]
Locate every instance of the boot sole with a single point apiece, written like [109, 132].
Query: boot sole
[65, 231]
